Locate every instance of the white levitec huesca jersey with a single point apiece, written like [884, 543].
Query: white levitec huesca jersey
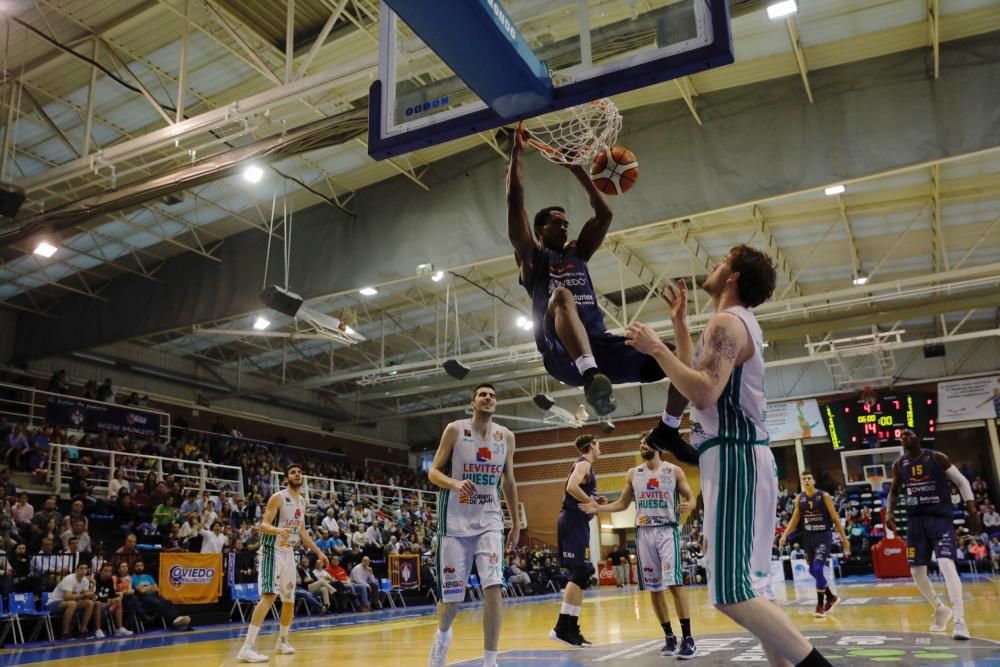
[291, 515]
[482, 461]
[655, 495]
[740, 412]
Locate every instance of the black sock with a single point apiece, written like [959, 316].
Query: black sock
[588, 375]
[563, 623]
[820, 596]
[666, 628]
[814, 659]
[686, 627]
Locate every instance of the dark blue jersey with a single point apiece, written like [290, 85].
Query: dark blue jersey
[564, 268]
[925, 489]
[589, 486]
[812, 509]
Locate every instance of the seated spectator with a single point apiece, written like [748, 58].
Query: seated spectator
[304, 581]
[20, 565]
[117, 483]
[123, 586]
[47, 513]
[75, 513]
[150, 600]
[90, 390]
[339, 575]
[16, 445]
[190, 508]
[49, 567]
[22, 513]
[106, 392]
[325, 542]
[165, 515]
[80, 487]
[58, 384]
[142, 501]
[797, 552]
[246, 563]
[337, 545]
[72, 596]
[330, 521]
[995, 553]
[8, 486]
[555, 574]
[363, 575]
[127, 553]
[107, 600]
[978, 550]
[991, 520]
[515, 575]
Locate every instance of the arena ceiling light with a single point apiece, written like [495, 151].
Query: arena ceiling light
[860, 279]
[524, 323]
[368, 291]
[261, 323]
[834, 190]
[778, 10]
[438, 276]
[253, 174]
[45, 249]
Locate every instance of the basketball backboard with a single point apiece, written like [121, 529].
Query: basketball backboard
[591, 48]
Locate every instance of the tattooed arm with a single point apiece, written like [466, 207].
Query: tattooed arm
[722, 345]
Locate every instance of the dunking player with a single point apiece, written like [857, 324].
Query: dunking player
[739, 481]
[573, 539]
[283, 526]
[474, 459]
[924, 476]
[570, 333]
[819, 517]
[655, 486]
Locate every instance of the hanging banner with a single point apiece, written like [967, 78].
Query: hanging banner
[974, 398]
[82, 414]
[794, 419]
[187, 578]
[404, 571]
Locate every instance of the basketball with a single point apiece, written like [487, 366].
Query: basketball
[615, 170]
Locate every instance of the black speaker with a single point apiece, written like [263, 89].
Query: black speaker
[281, 300]
[11, 198]
[931, 351]
[455, 368]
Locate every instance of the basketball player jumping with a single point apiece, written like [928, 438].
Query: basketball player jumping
[725, 382]
[570, 333]
[283, 526]
[924, 476]
[474, 459]
[815, 506]
[655, 486]
[573, 537]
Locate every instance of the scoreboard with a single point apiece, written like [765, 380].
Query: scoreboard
[855, 422]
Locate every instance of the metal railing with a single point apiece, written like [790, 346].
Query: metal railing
[372, 495]
[24, 404]
[64, 459]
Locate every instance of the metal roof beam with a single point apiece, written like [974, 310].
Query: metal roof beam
[934, 33]
[772, 245]
[255, 60]
[800, 56]
[688, 92]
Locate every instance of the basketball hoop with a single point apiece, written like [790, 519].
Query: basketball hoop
[578, 134]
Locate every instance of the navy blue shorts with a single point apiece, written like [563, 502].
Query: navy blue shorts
[614, 358]
[817, 545]
[573, 534]
[926, 534]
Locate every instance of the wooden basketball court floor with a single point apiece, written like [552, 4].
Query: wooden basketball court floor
[878, 622]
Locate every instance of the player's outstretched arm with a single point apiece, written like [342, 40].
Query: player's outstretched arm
[509, 486]
[594, 230]
[964, 489]
[890, 505]
[518, 230]
[725, 337]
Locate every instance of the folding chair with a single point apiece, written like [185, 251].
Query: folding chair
[10, 627]
[385, 586]
[475, 588]
[243, 594]
[22, 605]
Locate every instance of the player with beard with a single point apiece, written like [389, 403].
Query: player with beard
[656, 486]
[724, 379]
[814, 507]
[473, 462]
[283, 528]
[924, 476]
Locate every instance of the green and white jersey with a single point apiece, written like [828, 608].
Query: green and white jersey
[740, 412]
[291, 515]
[481, 460]
[655, 495]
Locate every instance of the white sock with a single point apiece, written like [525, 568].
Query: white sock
[574, 611]
[283, 633]
[251, 640]
[919, 573]
[584, 363]
[566, 608]
[489, 658]
[953, 584]
[444, 636]
[670, 420]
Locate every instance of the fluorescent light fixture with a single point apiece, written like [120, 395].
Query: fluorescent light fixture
[524, 323]
[261, 323]
[425, 269]
[834, 190]
[777, 10]
[350, 332]
[438, 276]
[45, 249]
[253, 174]
[368, 291]
[861, 279]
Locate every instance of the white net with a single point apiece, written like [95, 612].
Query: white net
[578, 134]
